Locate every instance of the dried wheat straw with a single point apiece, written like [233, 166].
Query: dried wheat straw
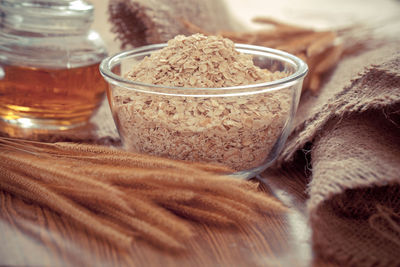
[32, 190]
[50, 173]
[199, 214]
[107, 155]
[132, 197]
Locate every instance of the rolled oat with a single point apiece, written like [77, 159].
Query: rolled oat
[238, 131]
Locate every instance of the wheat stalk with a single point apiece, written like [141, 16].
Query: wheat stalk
[120, 195]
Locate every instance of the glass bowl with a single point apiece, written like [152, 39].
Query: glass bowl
[243, 127]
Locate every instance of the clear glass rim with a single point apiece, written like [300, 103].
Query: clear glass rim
[107, 64]
[66, 7]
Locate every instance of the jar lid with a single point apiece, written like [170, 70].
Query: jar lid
[46, 16]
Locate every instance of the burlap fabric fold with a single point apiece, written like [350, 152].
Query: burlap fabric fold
[354, 127]
[354, 200]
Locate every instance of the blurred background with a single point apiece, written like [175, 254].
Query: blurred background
[327, 14]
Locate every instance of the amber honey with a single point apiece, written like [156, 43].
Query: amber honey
[49, 98]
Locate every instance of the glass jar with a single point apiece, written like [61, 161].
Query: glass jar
[49, 60]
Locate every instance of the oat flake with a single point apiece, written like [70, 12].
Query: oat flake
[238, 131]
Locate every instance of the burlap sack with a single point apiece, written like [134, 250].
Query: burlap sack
[354, 125]
[354, 200]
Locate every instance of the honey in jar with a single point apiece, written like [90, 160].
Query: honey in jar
[49, 58]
